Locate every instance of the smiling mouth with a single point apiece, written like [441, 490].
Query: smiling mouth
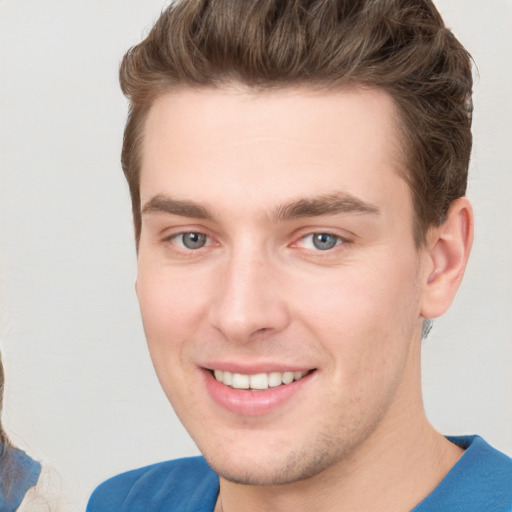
[259, 381]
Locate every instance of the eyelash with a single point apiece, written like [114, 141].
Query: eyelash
[182, 249]
[339, 240]
[176, 236]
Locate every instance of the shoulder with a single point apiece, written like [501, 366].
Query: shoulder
[480, 481]
[188, 485]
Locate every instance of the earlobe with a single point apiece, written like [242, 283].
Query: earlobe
[448, 253]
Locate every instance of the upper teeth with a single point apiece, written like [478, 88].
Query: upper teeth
[257, 381]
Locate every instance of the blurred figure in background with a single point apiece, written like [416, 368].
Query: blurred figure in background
[23, 480]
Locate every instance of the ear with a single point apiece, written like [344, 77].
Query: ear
[448, 248]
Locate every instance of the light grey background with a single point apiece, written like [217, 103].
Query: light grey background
[80, 392]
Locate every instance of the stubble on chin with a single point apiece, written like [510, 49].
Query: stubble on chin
[284, 469]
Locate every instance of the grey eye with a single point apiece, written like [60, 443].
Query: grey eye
[324, 241]
[193, 240]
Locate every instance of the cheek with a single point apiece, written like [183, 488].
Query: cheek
[170, 303]
[171, 310]
[365, 316]
[366, 332]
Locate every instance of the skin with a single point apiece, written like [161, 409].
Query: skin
[232, 165]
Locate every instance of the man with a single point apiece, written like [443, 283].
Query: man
[297, 172]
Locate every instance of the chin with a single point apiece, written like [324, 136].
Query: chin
[272, 469]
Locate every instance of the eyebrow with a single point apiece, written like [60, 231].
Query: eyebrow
[317, 206]
[183, 208]
[324, 205]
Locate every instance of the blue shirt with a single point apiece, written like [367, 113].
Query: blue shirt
[18, 472]
[481, 481]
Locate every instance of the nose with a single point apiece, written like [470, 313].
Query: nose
[249, 300]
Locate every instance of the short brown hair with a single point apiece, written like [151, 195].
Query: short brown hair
[401, 46]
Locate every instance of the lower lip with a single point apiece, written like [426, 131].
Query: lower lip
[253, 403]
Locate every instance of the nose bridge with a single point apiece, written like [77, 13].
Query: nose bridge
[248, 299]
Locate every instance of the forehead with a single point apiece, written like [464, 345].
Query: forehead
[221, 144]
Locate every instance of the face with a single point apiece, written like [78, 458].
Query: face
[278, 280]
